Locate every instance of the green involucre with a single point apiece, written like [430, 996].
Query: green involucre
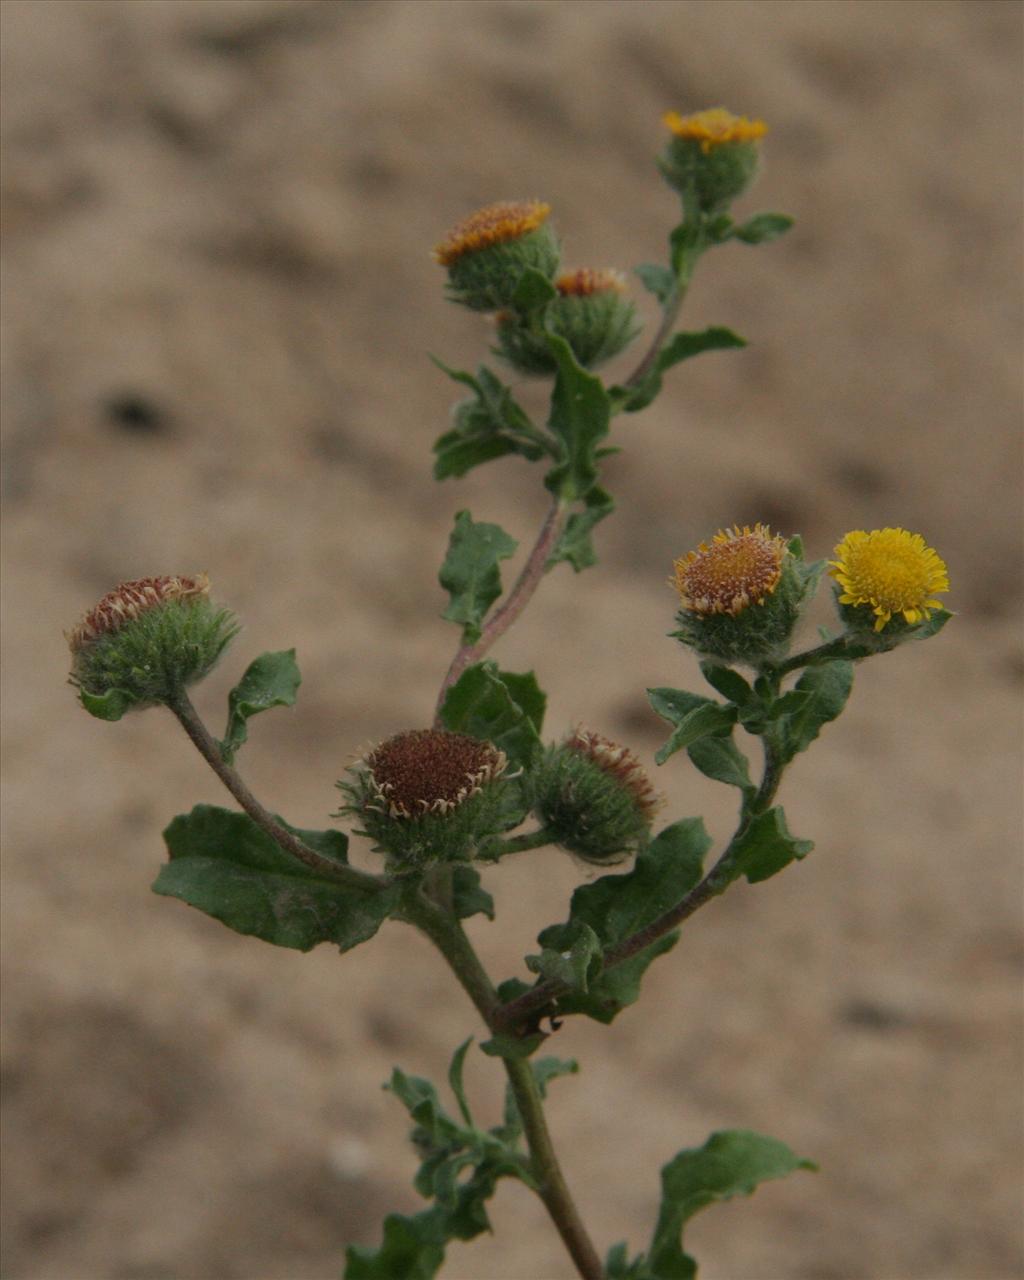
[597, 326]
[588, 810]
[486, 279]
[716, 176]
[152, 658]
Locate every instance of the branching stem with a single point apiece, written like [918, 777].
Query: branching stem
[526, 1008]
[209, 749]
[518, 598]
[450, 938]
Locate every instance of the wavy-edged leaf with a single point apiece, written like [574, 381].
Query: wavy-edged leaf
[223, 864]
[765, 847]
[487, 703]
[576, 544]
[823, 691]
[579, 419]
[470, 572]
[271, 680]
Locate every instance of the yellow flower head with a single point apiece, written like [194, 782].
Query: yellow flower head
[741, 567]
[493, 224]
[713, 127]
[893, 571]
[589, 280]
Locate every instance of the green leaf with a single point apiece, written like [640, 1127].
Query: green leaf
[656, 279]
[933, 625]
[712, 719]
[571, 965]
[730, 684]
[762, 228]
[107, 706]
[482, 704]
[674, 705]
[682, 346]
[729, 1164]
[490, 424]
[575, 544]
[824, 690]
[412, 1249]
[765, 847]
[509, 1046]
[617, 906]
[721, 759]
[468, 899]
[533, 290]
[579, 420]
[222, 863]
[271, 680]
[470, 572]
[455, 1079]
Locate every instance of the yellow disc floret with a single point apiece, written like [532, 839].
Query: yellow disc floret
[714, 127]
[494, 224]
[741, 567]
[891, 570]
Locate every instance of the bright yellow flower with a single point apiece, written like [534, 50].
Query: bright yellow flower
[893, 571]
[741, 567]
[493, 224]
[713, 127]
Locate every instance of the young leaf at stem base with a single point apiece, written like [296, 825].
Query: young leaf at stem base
[271, 680]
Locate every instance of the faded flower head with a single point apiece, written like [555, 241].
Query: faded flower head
[146, 641]
[594, 797]
[892, 571]
[126, 602]
[741, 594]
[428, 795]
[741, 567]
[487, 253]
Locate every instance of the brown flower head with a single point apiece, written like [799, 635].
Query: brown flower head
[741, 567]
[131, 599]
[430, 771]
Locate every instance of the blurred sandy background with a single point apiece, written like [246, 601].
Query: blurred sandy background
[218, 299]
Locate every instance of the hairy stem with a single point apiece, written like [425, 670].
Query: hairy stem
[209, 749]
[527, 1007]
[518, 598]
[450, 938]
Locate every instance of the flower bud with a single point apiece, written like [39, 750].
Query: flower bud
[712, 154]
[740, 596]
[427, 795]
[590, 312]
[487, 252]
[886, 581]
[146, 641]
[594, 797]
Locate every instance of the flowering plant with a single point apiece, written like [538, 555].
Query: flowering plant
[443, 803]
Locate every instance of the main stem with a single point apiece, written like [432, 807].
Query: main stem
[450, 938]
[209, 749]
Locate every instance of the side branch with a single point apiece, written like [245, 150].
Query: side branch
[518, 598]
[518, 1013]
[208, 748]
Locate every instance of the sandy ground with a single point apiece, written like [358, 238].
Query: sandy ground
[218, 298]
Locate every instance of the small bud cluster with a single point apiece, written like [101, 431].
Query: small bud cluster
[149, 639]
[594, 798]
[427, 795]
[486, 256]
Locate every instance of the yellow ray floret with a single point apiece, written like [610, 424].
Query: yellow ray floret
[741, 567]
[713, 127]
[493, 224]
[891, 570]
